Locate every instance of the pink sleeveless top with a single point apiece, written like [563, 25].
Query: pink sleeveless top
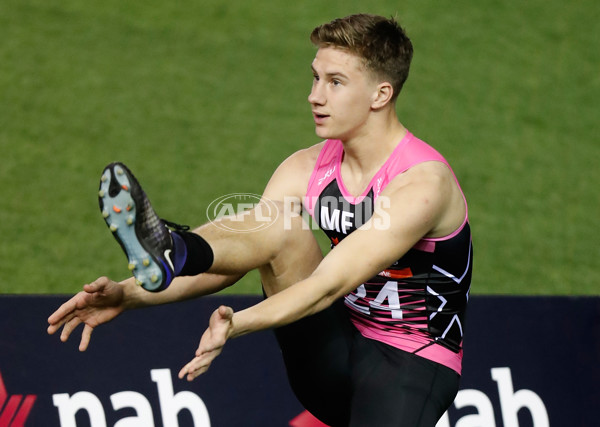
[418, 304]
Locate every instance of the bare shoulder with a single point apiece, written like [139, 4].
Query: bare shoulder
[434, 175]
[307, 157]
[291, 177]
[433, 187]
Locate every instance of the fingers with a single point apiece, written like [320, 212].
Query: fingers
[61, 315]
[226, 312]
[66, 310]
[86, 335]
[55, 325]
[188, 372]
[97, 285]
[211, 343]
[70, 325]
[196, 367]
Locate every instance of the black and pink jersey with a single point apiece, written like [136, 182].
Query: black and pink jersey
[417, 304]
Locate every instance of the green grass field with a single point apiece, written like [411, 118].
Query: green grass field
[203, 99]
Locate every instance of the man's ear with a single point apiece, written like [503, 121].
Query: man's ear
[382, 96]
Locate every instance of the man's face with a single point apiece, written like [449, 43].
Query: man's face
[341, 95]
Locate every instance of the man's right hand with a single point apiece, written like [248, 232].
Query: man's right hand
[98, 303]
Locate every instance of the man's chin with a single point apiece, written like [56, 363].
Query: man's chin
[323, 133]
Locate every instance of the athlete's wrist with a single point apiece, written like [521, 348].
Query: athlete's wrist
[134, 296]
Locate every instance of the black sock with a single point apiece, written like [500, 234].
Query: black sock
[192, 255]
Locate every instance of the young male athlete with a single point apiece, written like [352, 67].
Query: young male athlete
[371, 334]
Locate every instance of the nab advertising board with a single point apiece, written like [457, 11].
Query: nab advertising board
[529, 361]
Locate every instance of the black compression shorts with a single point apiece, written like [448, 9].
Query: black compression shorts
[345, 379]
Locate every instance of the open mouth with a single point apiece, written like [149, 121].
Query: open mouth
[319, 117]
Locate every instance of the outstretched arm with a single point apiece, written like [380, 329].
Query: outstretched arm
[103, 300]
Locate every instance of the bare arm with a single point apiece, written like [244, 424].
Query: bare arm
[102, 300]
[182, 288]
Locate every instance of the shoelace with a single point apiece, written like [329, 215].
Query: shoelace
[174, 226]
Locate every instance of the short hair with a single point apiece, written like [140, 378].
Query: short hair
[380, 42]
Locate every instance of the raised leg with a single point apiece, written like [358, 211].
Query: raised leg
[285, 250]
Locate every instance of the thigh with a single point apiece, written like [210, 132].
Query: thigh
[298, 255]
[396, 388]
[316, 352]
[281, 245]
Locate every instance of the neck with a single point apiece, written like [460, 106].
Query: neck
[365, 154]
